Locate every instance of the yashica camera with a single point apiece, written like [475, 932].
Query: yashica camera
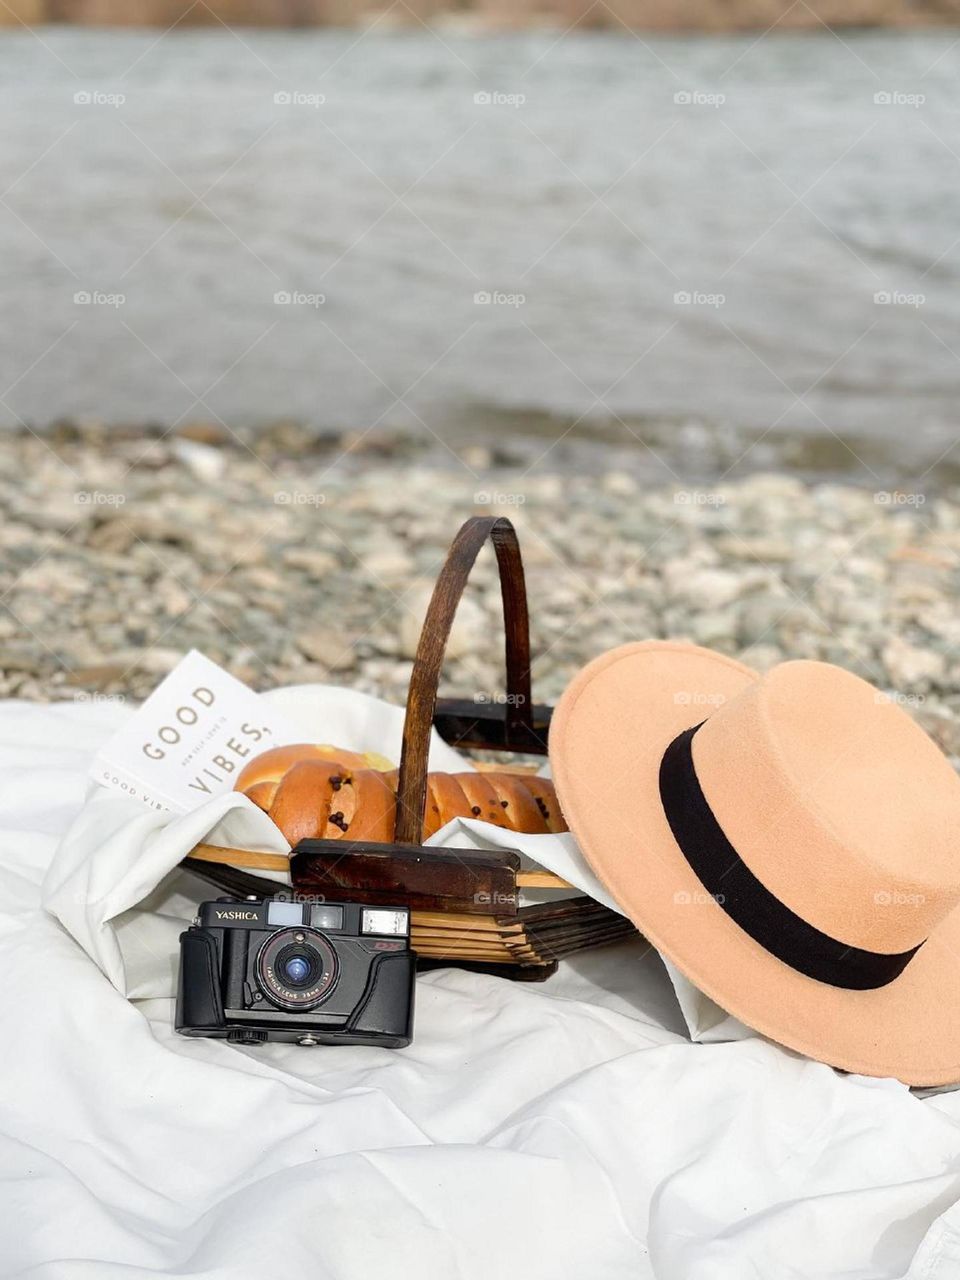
[256, 969]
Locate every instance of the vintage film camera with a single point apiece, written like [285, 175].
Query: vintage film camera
[256, 969]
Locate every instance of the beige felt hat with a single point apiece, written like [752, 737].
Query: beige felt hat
[790, 841]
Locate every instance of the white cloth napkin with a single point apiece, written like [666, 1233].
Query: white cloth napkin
[110, 885]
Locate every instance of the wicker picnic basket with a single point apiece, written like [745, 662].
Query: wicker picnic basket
[465, 906]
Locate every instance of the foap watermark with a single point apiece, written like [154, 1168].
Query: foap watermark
[96, 698]
[298, 498]
[698, 98]
[684, 898]
[898, 298]
[98, 498]
[296, 298]
[98, 298]
[897, 898]
[698, 498]
[98, 98]
[897, 98]
[495, 898]
[896, 498]
[300, 895]
[498, 298]
[496, 498]
[297, 98]
[499, 699]
[695, 298]
[697, 698]
[897, 699]
[497, 98]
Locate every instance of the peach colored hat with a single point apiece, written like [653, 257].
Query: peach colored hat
[790, 841]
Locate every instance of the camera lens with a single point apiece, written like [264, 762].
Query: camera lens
[296, 968]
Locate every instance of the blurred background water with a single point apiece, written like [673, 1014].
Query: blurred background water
[800, 190]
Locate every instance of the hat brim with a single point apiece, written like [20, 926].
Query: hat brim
[607, 738]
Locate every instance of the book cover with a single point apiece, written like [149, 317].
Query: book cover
[191, 738]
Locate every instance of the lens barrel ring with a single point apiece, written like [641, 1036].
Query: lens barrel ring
[280, 978]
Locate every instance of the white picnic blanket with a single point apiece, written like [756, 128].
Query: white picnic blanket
[560, 1131]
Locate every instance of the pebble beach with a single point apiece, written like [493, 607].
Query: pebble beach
[289, 562]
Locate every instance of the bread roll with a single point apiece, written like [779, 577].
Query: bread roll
[321, 792]
[260, 777]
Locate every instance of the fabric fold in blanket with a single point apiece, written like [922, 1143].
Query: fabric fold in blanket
[567, 1129]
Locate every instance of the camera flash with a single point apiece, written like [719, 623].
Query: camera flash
[385, 921]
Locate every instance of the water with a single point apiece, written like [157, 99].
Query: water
[584, 210]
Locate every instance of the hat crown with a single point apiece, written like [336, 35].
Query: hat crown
[837, 802]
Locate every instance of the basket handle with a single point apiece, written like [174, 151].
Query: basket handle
[422, 694]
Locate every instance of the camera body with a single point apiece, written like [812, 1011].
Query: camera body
[256, 969]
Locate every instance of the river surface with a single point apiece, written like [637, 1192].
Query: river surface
[306, 225]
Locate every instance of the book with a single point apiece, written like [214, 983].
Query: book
[190, 738]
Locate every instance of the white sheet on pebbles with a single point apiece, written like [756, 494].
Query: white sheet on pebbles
[560, 1131]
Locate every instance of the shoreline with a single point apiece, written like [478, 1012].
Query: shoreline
[120, 556]
[488, 18]
[657, 450]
